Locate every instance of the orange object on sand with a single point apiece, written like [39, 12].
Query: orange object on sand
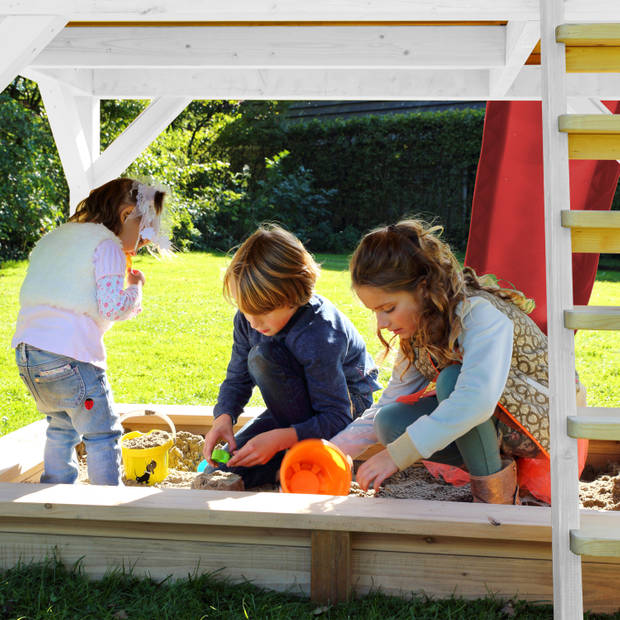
[315, 466]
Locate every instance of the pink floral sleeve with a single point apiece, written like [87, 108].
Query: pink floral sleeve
[116, 304]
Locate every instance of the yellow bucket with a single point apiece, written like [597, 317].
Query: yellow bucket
[146, 465]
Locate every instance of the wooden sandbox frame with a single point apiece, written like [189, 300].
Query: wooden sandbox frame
[327, 547]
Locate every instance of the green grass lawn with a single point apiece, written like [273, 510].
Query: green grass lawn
[177, 350]
[50, 591]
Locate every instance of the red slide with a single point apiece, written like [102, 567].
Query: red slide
[507, 232]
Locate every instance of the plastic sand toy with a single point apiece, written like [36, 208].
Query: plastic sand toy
[315, 466]
[218, 455]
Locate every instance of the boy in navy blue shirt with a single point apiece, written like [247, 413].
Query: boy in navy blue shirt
[307, 359]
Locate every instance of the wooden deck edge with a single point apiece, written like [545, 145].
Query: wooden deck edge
[277, 540]
[296, 560]
[21, 452]
[274, 510]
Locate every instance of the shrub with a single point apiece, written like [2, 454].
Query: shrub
[382, 167]
[34, 194]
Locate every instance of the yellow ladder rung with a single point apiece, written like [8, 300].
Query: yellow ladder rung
[591, 136]
[592, 317]
[594, 146]
[605, 426]
[589, 123]
[593, 59]
[593, 231]
[607, 34]
[590, 48]
[598, 543]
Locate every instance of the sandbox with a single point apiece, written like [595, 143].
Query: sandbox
[328, 547]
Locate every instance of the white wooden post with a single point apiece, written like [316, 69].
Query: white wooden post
[89, 112]
[73, 140]
[567, 585]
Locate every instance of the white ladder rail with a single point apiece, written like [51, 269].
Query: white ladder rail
[567, 581]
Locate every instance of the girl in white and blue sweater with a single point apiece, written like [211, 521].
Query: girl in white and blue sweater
[73, 292]
[470, 381]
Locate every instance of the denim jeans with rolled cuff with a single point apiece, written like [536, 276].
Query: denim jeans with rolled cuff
[281, 381]
[77, 400]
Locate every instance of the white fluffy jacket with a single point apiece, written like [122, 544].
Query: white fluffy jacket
[61, 272]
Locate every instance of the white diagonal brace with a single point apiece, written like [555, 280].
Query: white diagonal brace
[73, 140]
[142, 131]
[21, 40]
[521, 37]
[237, 47]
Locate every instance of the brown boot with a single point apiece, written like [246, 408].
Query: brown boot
[498, 488]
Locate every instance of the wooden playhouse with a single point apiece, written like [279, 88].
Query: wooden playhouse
[173, 52]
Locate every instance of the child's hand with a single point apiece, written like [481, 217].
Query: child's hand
[375, 470]
[261, 448]
[135, 276]
[222, 430]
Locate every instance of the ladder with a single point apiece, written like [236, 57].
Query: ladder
[574, 48]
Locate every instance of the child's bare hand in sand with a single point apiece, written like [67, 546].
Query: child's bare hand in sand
[375, 470]
[261, 448]
[221, 431]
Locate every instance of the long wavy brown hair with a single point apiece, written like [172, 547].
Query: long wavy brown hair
[410, 256]
[104, 204]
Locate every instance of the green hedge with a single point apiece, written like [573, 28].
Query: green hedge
[33, 191]
[377, 169]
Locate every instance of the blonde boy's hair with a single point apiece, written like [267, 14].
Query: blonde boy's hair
[270, 269]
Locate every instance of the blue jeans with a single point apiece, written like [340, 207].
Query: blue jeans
[63, 389]
[281, 381]
[478, 448]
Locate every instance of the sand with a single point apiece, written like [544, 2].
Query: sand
[599, 490]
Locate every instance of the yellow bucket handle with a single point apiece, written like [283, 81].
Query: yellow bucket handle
[148, 412]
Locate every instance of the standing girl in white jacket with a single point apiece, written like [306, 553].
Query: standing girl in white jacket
[73, 293]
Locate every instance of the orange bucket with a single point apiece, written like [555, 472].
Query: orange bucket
[315, 466]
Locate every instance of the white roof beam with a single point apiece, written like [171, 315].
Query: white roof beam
[592, 85]
[136, 137]
[290, 84]
[78, 81]
[273, 46]
[521, 37]
[278, 10]
[302, 10]
[586, 105]
[21, 40]
[354, 84]
[591, 11]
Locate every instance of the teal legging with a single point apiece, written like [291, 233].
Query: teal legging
[478, 448]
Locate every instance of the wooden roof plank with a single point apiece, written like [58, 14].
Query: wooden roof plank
[274, 47]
